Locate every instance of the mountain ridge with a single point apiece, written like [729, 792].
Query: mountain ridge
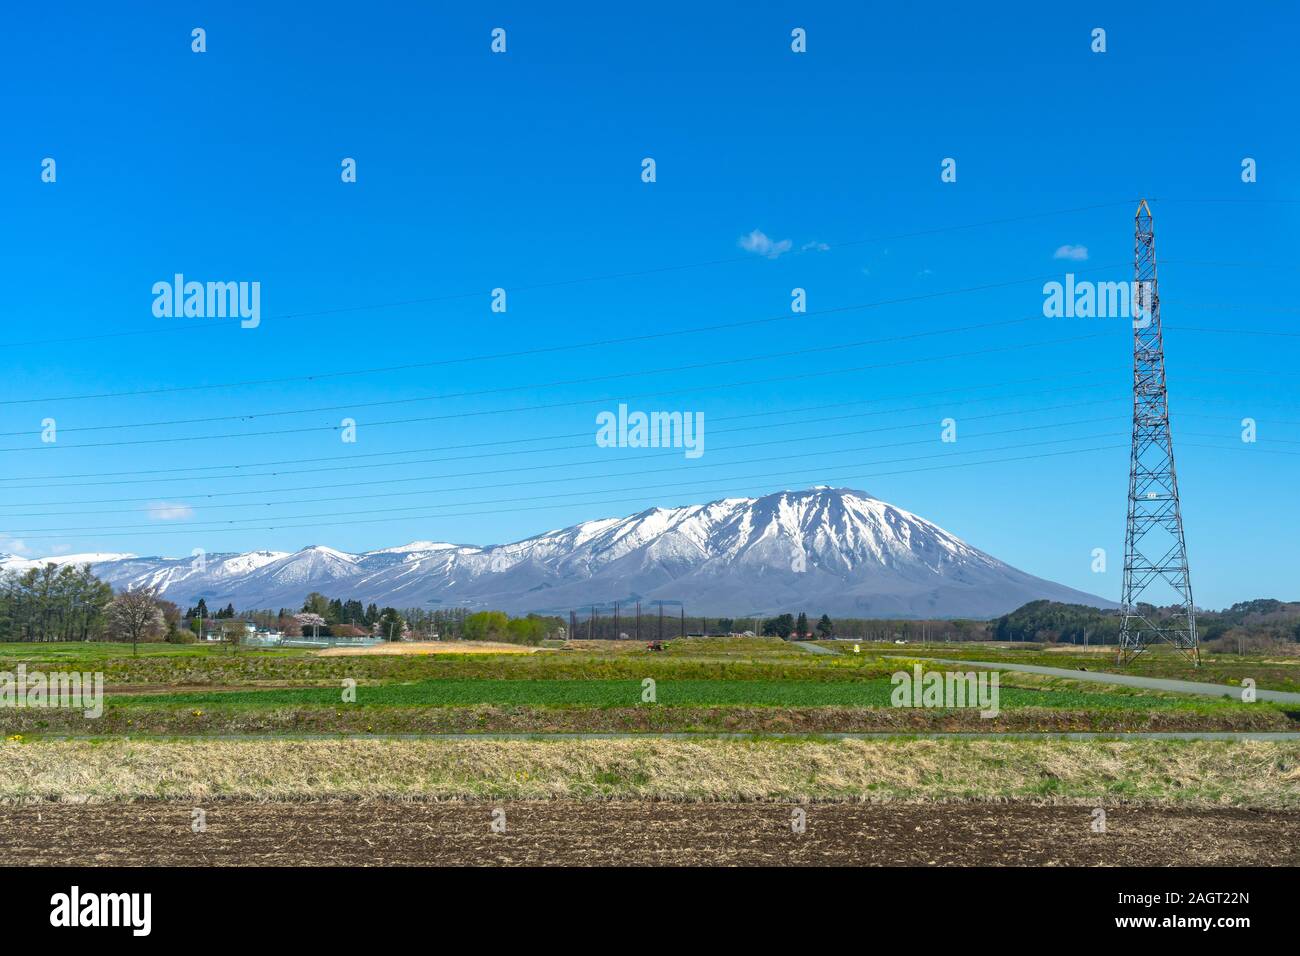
[833, 550]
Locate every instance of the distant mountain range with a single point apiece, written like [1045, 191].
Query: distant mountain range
[823, 550]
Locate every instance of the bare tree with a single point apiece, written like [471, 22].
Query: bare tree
[232, 633]
[135, 615]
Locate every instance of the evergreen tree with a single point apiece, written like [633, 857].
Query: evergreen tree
[353, 612]
[52, 603]
[316, 603]
[780, 626]
[391, 624]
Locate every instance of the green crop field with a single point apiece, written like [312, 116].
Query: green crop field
[93, 652]
[1279, 671]
[625, 693]
[758, 685]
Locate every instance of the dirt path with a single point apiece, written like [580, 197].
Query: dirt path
[628, 833]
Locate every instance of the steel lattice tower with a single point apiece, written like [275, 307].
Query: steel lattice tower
[1155, 555]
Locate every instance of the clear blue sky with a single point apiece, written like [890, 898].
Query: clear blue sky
[522, 171]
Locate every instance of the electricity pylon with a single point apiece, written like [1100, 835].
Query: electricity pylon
[1155, 554]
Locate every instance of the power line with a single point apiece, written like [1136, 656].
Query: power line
[45, 479]
[543, 350]
[515, 453]
[800, 439]
[496, 511]
[431, 418]
[559, 283]
[623, 397]
[1229, 307]
[353, 406]
[1242, 446]
[1267, 441]
[225, 525]
[1231, 200]
[1268, 332]
[348, 406]
[1203, 264]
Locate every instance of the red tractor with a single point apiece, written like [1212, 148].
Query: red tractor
[655, 646]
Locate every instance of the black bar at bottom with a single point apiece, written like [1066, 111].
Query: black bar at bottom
[350, 904]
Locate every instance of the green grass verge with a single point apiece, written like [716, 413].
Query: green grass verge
[625, 693]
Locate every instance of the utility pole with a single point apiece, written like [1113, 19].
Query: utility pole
[1154, 549]
[638, 620]
[198, 606]
[616, 632]
[661, 620]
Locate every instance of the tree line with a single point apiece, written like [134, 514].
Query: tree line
[67, 602]
[603, 625]
[52, 603]
[1244, 627]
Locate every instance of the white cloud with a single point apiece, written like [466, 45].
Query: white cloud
[758, 242]
[819, 246]
[1074, 253]
[10, 545]
[166, 511]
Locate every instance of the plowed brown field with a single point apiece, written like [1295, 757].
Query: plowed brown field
[388, 833]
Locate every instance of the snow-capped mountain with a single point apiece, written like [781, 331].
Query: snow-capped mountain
[824, 550]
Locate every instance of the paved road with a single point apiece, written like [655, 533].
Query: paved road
[1128, 680]
[813, 648]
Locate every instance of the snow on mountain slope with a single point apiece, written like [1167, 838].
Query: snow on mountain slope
[831, 550]
[415, 546]
[13, 562]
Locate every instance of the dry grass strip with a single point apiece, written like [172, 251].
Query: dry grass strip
[393, 648]
[1183, 773]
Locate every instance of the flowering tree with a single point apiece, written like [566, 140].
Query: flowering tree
[307, 619]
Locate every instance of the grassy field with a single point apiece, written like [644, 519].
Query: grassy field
[670, 692]
[1275, 672]
[710, 685]
[189, 723]
[104, 652]
[176, 663]
[694, 658]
